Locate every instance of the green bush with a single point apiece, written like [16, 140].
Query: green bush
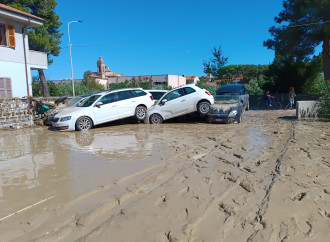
[57, 90]
[254, 88]
[324, 109]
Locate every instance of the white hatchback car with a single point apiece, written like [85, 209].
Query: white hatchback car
[105, 107]
[179, 101]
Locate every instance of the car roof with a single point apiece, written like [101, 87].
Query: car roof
[157, 90]
[230, 88]
[117, 90]
[187, 85]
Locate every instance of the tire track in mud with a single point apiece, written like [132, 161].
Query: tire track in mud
[152, 178]
[264, 203]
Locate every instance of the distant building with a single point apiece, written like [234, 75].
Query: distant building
[192, 79]
[104, 73]
[208, 77]
[157, 80]
[16, 59]
[105, 76]
[64, 81]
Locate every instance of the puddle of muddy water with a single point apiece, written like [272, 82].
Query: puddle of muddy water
[38, 163]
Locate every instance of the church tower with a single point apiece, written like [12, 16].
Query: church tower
[101, 67]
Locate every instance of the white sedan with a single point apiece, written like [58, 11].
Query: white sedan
[179, 101]
[105, 107]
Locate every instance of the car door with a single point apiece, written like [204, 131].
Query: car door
[107, 111]
[190, 99]
[126, 104]
[175, 104]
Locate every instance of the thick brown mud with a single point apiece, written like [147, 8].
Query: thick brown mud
[265, 179]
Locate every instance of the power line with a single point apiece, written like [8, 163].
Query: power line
[197, 37]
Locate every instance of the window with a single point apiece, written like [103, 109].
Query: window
[5, 88]
[139, 93]
[174, 94]
[109, 98]
[123, 95]
[189, 90]
[89, 101]
[3, 40]
[7, 35]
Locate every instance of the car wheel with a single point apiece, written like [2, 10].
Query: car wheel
[247, 106]
[84, 123]
[156, 118]
[203, 108]
[140, 113]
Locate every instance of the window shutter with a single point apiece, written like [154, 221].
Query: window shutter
[11, 36]
[5, 88]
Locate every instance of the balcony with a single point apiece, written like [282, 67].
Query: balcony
[37, 59]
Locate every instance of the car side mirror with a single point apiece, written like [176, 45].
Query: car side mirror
[98, 104]
[164, 101]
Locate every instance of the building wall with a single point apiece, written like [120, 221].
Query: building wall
[16, 72]
[171, 80]
[14, 54]
[12, 63]
[176, 80]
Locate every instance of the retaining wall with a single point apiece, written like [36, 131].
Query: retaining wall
[15, 113]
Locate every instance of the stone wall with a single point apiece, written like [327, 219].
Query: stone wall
[307, 109]
[15, 113]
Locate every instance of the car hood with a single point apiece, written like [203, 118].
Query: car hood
[222, 108]
[70, 111]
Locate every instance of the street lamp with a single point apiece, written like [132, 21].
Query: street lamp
[76, 21]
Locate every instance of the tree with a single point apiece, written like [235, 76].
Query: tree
[248, 72]
[46, 38]
[214, 65]
[307, 28]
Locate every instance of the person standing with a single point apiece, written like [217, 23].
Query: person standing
[292, 95]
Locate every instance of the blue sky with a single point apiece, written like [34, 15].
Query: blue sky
[241, 27]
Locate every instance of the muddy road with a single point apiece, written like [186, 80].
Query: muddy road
[266, 179]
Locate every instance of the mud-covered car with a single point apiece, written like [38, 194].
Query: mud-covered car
[180, 101]
[230, 102]
[105, 107]
[72, 103]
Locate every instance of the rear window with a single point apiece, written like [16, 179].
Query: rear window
[227, 89]
[189, 90]
[157, 95]
[139, 93]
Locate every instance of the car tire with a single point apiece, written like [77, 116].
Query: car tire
[84, 123]
[140, 113]
[156, 118]
[203, 108]
[247, 106]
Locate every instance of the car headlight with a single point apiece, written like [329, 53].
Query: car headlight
[232, 113]
[65, 118]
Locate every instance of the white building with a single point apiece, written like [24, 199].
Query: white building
[192, 79]
[105, 76]
[16, 60]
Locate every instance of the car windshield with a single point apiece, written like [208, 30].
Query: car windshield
[226, 98]
[74, 100]
[89, 101]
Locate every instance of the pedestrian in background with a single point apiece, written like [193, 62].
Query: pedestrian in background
[292, 95]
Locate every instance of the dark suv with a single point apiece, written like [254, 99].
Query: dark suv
[230, 101]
